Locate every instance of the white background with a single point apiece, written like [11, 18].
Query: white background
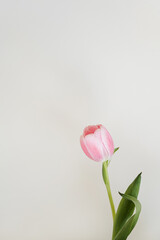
[64, 65]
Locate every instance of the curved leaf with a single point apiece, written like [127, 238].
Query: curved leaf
[130, 224]
[126, 207]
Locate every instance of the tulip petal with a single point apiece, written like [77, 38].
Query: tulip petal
[97, 134]
[90, 129]
[107, 141]
[94, 147]
[83, 145]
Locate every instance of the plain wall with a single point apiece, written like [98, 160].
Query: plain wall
[65, 65]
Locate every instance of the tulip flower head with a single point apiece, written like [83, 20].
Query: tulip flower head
[97, 143]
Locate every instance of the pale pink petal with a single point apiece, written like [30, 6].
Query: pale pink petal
[107, 141]
[83, 145]
[94, 147]
[97, 134]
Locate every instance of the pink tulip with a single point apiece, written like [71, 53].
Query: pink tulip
[97, 143]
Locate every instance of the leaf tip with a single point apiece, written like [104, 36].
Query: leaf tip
[139, 175]
[121, 194]
[116, 149]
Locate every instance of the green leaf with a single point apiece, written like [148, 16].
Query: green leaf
[126, 209]
[116, 149]
[130, 224]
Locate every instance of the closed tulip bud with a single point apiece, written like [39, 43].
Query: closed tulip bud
[97, 143]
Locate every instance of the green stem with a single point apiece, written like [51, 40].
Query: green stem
[107, 183]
